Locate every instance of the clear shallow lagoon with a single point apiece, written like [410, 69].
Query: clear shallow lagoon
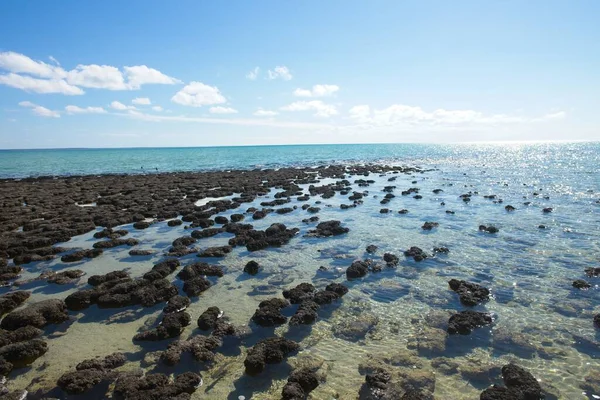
[529, 270]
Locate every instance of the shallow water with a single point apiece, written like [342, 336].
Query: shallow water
[528, 269]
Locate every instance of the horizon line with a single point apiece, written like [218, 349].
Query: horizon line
[491, 142]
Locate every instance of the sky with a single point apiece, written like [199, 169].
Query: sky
[198, 73]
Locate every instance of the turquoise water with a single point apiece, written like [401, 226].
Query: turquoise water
[542, 323]
[24, 163]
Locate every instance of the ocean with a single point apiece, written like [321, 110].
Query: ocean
[391, 318]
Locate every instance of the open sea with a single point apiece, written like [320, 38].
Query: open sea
[390, 318]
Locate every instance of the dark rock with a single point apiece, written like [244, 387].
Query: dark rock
[547, 210]
[107, 244]
[337, 288]
[208, 319]
[465, 321]
[219, 251]
[403, 211]
[183, 241]
[11, 300]
[597, 320]
[171, 326]
[427, 226]
[21, 354]
[327, 229]
[157, 386]
[176, 304]
[19, 335]
[441, 250]
[371, 249]
[592, 272]
[201, 347]
[205, 233]
[306, 313]
[268, 351]
[220, 219]
[269, 312]
[81, 254]
[358, 269]
[325, 297]
[175, 222]
[193, 287]
[162, 269]
[488, 229]
[509, 208]
[141, 225]
[300, 293]
[416, 253]
[96, 280]
[140, 252]
[251, 267]
[79, 382]
[237, 217]
[520, 385]
[199, 269]
[390, 259]
[470, 293]
[581, 284]
[39, 314]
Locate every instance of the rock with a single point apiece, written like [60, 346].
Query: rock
[158, 386]
[11, 300]
[107, 244]
[403, 211]
[162, 269]
[325, 297]
[79, 382]
[140, 252]
[39, 314]
[470, 293]
[581, 284]
[429, 341]
[597, 320]
[269, 312]
[416, 253]
[193, 287]
[592, 272]
[19, 335]
[268, 351]
[183, 241]
[96, 280]
[111, 361]
[441, 250]
[306, 313]
[199, 269]
[220, 219]
[371, 249]
[252, 267]
[300, 383]
[219, 251]
[488, 229]
[110, 233]
[327, 229]
[355, 328]
[177, 303]
[81, 254]
[358, 269]
[174, 222]
[520, 385]
[63, 277]
[427, 226]
[171, 326]
[547, 210]
[465, 321]
[236, 217]
[300, 293]
[391, 259]
[337, 288]
[201, 348]
[141, 225]
[208, 319]
[21, 354]
[509, 208]
[205, 233]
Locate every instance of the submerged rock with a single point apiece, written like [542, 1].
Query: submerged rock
[157, 386]
[581, 284]
[201, 348]
[358, 269]
[199, 269]
[300, 383]
[327, 229]
[470, 293]
[416, 253]
[252, 267]
[488, 229]
[63, 277]
[81, 254]
[171, 326]
[268, 351]
[219, 251]
[520, 385]
[465, 321]
[46, 312]
[269, 312]
[300, 293]
[427, 226]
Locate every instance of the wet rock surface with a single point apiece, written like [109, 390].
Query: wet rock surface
[268, 351]
[470, 293]
[465, 321]
[520, 385]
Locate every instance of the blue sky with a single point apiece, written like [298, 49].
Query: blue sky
[81, 73]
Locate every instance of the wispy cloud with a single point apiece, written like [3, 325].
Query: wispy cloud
[87, 110]
[321, 109]
[144, 101]
[39, 110]
[222, 110]
[117, 105]
[317, 91]
[265, 113]
[198, 94]
[280, 72]
[253, 75]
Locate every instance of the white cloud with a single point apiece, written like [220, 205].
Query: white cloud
[37, 76]
[36, 85]
[197, 94]
[252, 75]
[321, 109]
[97, 77]
[222, 110]
[158, 108]
[39, 110]
[141, 75]
[87, 110]
[144, 101]
[280, 72]
[21, 64]
[117, 105]
[265, 113]
[317, 91]
[401, 114]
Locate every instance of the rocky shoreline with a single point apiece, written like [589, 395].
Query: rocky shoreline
[39, 214]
